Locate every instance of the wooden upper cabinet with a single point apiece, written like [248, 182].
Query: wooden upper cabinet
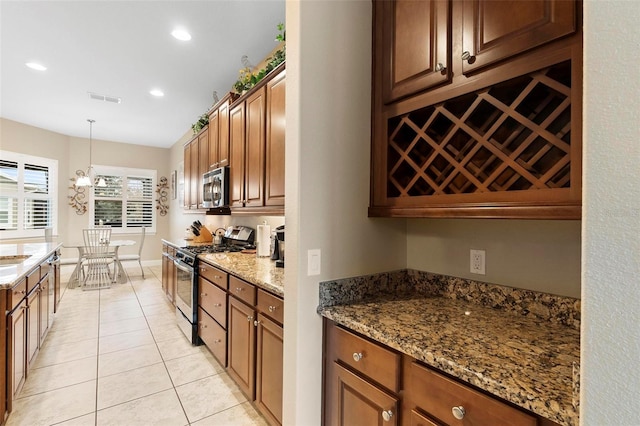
[214, 139]
[275, 142]
[223, 135]
[255, 133]
[193, 179]
[416, 40]
[494, 30]
[203, 162]
[236, 157]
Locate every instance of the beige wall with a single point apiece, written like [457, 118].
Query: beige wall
[541, 255]
[72, 154]
[610, 338]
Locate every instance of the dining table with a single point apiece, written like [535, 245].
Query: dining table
[119, 274]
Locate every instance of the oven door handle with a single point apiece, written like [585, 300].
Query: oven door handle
[183, 266]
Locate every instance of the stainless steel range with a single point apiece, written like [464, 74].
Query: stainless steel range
[236, 238]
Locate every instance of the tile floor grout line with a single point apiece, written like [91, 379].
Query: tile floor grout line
[164, 362]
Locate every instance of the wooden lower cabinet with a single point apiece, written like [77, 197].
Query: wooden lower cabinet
[33, 332]
[17, 351]
[357, 402]
[269, 368]
[168, 273]
[212, 335]
[355, 395]
[242, 346]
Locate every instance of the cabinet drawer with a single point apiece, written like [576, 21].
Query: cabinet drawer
[33, 279]
[214, 336]
[271, 306]
[372, 360]
[438, 395]
[214, 275]
[242, 290]
[16, 293]
[44, 270]
[418, 419]
[213, 300]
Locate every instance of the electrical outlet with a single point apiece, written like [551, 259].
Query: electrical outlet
[477, 262]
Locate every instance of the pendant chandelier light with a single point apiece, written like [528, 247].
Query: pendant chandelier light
[87, 179]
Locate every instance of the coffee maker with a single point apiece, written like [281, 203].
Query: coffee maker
[277, 246]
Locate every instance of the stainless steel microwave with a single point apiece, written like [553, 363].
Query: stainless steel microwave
[215, 188]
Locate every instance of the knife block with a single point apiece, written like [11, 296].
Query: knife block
[204, 237]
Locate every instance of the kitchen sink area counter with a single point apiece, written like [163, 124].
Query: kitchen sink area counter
[521, 346]
[16, 260]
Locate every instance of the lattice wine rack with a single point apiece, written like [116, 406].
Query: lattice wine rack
[513, 136]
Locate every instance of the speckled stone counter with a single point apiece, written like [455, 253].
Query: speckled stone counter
[521, 346]
[260, 271]
[37, 252]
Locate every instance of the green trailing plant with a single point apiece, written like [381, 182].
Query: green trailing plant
[248, 79]
[203, 120]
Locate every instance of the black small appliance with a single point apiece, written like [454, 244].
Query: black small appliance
[277, 253]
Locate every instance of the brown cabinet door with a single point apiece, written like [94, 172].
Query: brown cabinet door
[255, 135]
[17, 362]
[171, 283]
[236, 169]
[356, 402]
[33, 333]
[165, 272]
[494, 30]
[203, 162]
[242, 346]
[269, 369]
[43, 314]
[194, 180]
[275, 143]
[187, 176]
[214, 139]
[416, 45]
[223, 135]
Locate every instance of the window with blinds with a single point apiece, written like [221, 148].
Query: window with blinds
[28, 194]
[127, 199]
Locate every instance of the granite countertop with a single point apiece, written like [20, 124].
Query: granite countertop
[527, 361]
[37, 252]
[260, 271]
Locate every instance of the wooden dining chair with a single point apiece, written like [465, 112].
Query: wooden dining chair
[98, 258]
[138, 257]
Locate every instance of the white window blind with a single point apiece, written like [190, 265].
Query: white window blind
[127, 200]
[28, 195]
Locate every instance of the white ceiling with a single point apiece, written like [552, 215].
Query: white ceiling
[124, 49]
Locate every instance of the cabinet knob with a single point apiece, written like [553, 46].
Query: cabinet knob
[458, 412]
[357, 356]
[217, 277]
[272, 308]
[203, 294]
[217, 305]
[249, 318]
[217, 341]
[466, 55]
[202, 325]
[387, 415]
[440, 67]
[239, 289]
[256, 322]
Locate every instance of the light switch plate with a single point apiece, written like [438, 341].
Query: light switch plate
[314, 261]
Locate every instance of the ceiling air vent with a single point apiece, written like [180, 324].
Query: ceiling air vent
[105, 98]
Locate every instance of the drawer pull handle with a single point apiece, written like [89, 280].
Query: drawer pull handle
[387, 415]
[357, 356]
[272, 308]
[458, 412]
[239, 288]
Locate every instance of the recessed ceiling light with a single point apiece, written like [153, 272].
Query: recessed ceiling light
[36, 66]
[157, 93]
[181, 35]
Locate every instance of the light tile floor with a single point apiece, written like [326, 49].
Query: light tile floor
[116, 357]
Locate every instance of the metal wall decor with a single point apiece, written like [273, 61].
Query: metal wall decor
[77, 199]
[163, 196]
